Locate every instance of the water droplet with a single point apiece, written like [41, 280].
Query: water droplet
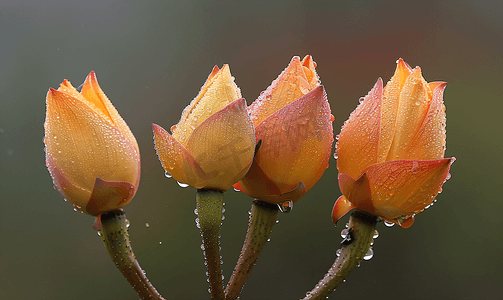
[376, 234]
[127, 223]
[269, 239]
[195, 211]
[369, 254]
[338, 252]
[202, 247]
[344, 233]
[197, 223]
[236, 190]
[389, 224]
[277, 221]
[99, 233]
[147, 225]
[184, 185]
[160, 243]
[167, 174]
[285, 206]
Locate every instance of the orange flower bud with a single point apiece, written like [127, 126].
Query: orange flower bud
[294, 126]
[212, 145]
[390, 151]
[91, 154]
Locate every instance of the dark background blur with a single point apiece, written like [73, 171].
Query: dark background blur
[151, 58]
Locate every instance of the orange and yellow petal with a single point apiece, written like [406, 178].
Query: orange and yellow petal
[389, 108]
[413, 106]
[218, 92]
[341, 207]
[296, 142]
[358, 143]
[223, 145]
[429, 141]
[177, 160]
[405, 187]
[84, 145]
[290, 85]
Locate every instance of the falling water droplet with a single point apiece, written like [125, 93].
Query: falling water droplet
[167, 174]
[285, 206]
[184, 185]
[369, 254]
[160, 243]
[147, 225]
[389, 224]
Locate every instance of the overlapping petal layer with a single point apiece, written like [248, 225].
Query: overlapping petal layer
[86, 139]
[212, 145]
[390, 151]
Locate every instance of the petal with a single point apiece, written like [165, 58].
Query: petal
[310, 70]
[177, 160]
[429, 142]
[223, 145]
[391, 97]
[294, 195]
[357, 192]
[358, 143]
[405, 187]
[71, 191]
[415, 98]
[84, 146]
[93, 93]
[290, 85]
[341, 207]
[296, 142]
[109, 195]
[218, 91]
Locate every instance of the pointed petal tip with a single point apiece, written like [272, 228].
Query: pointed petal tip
[341, 207]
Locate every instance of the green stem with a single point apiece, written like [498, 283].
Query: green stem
[263, 218]
[115, 236]
[354, 247]
[209, 211]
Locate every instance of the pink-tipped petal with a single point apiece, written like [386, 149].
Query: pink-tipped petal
[175, 159]
[223, 145]
[296, 142]
[109, 195]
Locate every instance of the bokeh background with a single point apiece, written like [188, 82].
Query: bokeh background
[151, 58]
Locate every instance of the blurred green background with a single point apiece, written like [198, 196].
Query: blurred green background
[151, 58]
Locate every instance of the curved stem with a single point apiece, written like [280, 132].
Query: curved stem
[354, 247]
[263, 218]
[115, 237]
[209, 210]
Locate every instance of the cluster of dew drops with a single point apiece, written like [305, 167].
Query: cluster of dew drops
[370, 252]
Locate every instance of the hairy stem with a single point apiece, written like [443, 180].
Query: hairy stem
[354, 247]
[263, 218]
[209, 210]
[115, 236]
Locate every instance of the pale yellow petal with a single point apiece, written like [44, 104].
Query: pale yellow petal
[219, 91]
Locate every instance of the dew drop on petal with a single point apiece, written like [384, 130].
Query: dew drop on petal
[285, 206]
[389, 224]
[184, 185]
[167, 174]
